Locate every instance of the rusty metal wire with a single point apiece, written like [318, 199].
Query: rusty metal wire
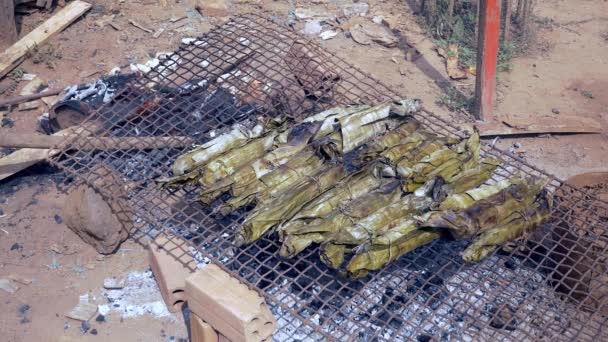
[551, 285]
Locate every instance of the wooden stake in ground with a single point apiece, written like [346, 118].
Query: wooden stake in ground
[8, 30]
[11, 57]
[487, 57]
[507, 32]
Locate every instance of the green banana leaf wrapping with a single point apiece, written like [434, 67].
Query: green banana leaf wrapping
[300, 166]
[297, 139]
[228, 163]
[284, 207]
[445, 162]
[237, 137]
[488, 212]
[378, 256]
[467, 198]
[297, 235]
[522, 222]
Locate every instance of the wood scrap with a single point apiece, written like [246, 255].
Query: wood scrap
[139, 26]
[8, 28]
[542, 125]
[27, 140]
[10, 58]
[26, 98]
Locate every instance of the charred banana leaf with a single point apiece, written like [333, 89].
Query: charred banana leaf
[445, 162]
[377, 256]
[521, 223]
[489, 212]
[284, 207]
[467, 198]
[299, 167]
[297, 140]
[297, 235]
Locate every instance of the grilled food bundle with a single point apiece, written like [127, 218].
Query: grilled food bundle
[366, 183]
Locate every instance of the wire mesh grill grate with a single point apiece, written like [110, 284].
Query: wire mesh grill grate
[551, 285]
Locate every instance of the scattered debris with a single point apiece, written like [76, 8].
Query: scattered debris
[23, 311]
[83, 311]
[212, 8]
[555, 111]
[113, 283]
[28, 77]
[58, 219]
[540, 125]
[158, 32]
[356, 9]
[452, 63]
[587, 94]
[308, 13]
[32, 87]
[140, 296]
[325, 35]
[19, 279]
[139, 26]
[93, 331]
[8, 286]
[84, 326]
[28, 106]
[312, 27]
[60, 20]
[16, 247]
[100, 318]
[366, 32]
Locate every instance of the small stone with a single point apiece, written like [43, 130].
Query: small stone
[83, 311]
[8, 286]
[66, 326]
[16, 247]
[84, 326]
[6, 122]
[23, 309]
[100, 318]
[93, 331]
[555, 111]
[58, 219]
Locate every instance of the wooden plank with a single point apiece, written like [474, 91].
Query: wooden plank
[543, 125]
[8, 28]
[487, 57]
[26, 157]
[54, 24]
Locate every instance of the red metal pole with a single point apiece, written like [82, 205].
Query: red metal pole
[487, 57]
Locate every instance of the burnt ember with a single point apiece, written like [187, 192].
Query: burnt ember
[245, 69]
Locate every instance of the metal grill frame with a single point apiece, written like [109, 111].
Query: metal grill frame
[299, 290]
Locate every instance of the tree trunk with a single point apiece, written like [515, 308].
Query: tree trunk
[451, 8]
[8, 29]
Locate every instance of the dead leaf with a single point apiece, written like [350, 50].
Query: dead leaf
[367, 32]
[452, 64]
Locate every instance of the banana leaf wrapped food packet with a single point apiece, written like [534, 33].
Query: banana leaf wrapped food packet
[300, 166]
[297, 235]
[284, 207]
[235, 138]
[445, 162]
[487, 212]
[297, 139]
[521, 222]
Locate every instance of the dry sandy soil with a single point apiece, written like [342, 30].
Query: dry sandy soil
[569, 57]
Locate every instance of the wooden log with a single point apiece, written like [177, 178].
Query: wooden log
[26, 98]
[28, 140]
[8, 30]
[11, 57]
[487, 57]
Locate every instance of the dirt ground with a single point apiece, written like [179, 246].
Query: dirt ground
[567, 59]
